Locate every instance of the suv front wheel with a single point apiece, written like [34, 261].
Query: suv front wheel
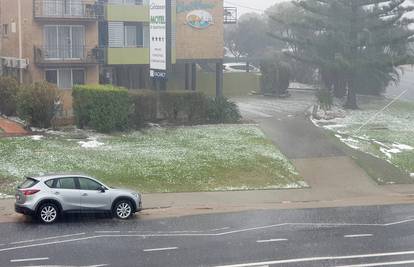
[123, 209]
[48, 213]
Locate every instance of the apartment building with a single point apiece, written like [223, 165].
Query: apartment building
[124, 37]
[57, 42]
[69, 42]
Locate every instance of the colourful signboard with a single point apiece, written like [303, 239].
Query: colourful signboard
[199, 19]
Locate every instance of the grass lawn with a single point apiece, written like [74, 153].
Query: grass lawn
[390, 136]
[202, 158]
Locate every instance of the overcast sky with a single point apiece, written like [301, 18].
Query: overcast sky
[245, 6]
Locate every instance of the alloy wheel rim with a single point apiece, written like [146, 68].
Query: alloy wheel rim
[48, 214]
[123, 210]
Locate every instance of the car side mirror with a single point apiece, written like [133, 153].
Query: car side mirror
[102, 189]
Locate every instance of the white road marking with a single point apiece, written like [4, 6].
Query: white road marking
[219, 229]
[160, 249]
[46, 238]
[360, 235]
[98, 265]
[107, 232]
[271, 240]
[174, 232]
[380, 264]
[329, 258]
[251, 229]
[167, 232]
[400, 222]
[198, 234]
[32, 259]
[48, 243]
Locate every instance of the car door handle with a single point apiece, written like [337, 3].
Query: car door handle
[57, 193]
[85, 195]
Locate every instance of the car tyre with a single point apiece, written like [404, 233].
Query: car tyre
[48, 213]
[123, 209]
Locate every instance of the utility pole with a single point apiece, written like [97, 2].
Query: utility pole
[19, 23]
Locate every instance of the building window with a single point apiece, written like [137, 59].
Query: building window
[59, 8]
[64, 41]
[5, 30]
[133, 35]
[122, 34]
[65, 78]
[51, 76]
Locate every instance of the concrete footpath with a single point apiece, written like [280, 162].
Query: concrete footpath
[165, 205]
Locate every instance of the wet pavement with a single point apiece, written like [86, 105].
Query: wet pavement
[320, 159]
[313, 237]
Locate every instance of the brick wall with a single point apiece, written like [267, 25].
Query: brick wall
[195, 43]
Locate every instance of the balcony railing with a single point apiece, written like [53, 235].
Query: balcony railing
[68, 55]
[67, 9]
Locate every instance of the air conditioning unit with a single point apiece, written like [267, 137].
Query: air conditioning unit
[18, 63]
[6, 62]
[22, 63]
[14, 63]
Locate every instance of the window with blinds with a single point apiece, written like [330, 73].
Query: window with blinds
[122, 34]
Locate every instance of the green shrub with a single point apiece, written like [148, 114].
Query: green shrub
[221, 110]
[183, 106]
[143, 109]
[9, 88]
[276, 76]
[37, 103]
[104, 108]
[325, 99]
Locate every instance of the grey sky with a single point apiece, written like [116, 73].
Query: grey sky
[245, 6]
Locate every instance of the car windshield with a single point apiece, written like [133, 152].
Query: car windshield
[235, 133]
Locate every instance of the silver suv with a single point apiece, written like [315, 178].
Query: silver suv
[47, 197]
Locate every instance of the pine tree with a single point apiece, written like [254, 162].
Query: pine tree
[352, 41]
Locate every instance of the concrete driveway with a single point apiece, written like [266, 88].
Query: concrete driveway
[319, 159]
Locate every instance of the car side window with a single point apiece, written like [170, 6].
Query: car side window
[88, 184]
[50, 182]
[65, 183]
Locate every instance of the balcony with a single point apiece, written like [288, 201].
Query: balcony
[68, 56]
[67, 10]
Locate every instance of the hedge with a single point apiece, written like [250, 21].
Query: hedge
[144, 108]
[183, 106]
[104, 108]
[9, 89]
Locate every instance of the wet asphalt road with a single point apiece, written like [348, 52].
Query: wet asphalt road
[313, 237]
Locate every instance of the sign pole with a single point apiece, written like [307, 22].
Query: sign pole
[168, 4]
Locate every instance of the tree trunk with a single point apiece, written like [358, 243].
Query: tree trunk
[339, 87]
[351, 101]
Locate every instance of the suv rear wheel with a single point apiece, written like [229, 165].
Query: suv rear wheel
[48, 213]
[123, 209]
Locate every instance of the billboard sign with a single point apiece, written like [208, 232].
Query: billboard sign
[158, 38]
[199, 19]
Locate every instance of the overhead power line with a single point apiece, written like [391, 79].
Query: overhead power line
[243, 6]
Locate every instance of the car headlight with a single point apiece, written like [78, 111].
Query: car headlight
[136, 195]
